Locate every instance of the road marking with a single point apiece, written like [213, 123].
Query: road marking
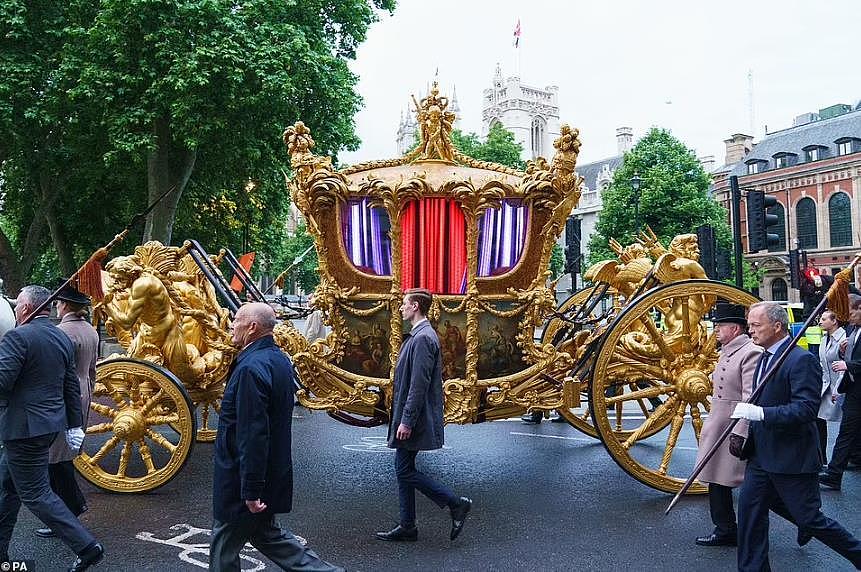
[376, 445]
[680, 448]
[554, 437]
[190, 550]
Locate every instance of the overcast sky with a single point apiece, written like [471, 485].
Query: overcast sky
[677, 64]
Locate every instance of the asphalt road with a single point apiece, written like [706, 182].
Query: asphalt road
[546, 498]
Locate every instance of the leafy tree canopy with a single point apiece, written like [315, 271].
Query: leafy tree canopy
[105, 105]
[498, 147]
[673, 196]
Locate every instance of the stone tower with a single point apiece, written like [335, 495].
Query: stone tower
[531, 113]
[407, 132]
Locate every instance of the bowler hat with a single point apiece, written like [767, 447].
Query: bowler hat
[725, 312]
[71, 294]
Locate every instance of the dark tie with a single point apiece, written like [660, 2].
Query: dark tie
[763, 364]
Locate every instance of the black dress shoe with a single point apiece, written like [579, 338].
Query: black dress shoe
[803, 537]
[532, 418]
[399, 534]
[829, 480]
[458, 516]
[715, 540]
[44, 533]
[89, 557]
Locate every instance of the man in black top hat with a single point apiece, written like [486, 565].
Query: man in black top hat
[72, 311]
[732, 380]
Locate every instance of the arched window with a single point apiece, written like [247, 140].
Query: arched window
[840, 217]
[779, 228]
[805, 222]
[778, 289]
[538, 128]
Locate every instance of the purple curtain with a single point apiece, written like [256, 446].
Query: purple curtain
[365, 231]
[501, 235]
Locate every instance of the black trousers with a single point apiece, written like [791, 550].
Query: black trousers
[722, 512]
[848, 435]
[65, 484]
[799, 494]
[822, 427]
[264, 533]
[24, 479]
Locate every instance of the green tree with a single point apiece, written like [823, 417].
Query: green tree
[105, 105]
[498, 147]
[673, 196]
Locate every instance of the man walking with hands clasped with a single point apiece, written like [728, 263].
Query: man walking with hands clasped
[417, 420]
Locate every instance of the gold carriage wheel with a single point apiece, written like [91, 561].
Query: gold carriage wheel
[677, 374]
[581, 418]
[140, 430]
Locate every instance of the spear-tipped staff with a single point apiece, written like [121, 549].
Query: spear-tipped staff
[837, 299]
[279, 280]
[90, 273]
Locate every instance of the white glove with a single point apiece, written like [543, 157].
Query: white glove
[748, 411]
[75, 438]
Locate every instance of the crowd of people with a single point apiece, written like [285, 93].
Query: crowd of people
[776, 452]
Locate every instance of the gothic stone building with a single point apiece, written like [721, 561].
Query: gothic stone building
[813, 169]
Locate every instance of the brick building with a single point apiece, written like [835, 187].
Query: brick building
[813, 169]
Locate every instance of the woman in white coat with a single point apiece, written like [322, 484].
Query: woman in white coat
[830, 409]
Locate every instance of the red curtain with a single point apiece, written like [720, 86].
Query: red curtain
[433, 246]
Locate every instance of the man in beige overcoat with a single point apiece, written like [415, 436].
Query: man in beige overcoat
[732, 381]
[72, 311]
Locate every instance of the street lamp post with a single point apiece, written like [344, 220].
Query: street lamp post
[635, 186]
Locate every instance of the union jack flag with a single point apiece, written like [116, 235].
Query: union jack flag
[517, 33]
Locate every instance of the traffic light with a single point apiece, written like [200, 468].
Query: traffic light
[572, 245]
[795, 268]
[706, 241]
[759, 221]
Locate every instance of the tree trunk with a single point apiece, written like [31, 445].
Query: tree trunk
[61, 245]
[169, 166]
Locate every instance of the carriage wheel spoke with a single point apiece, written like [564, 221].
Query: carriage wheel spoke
[146, 456]
[106, 448]
[100, 428]
[706, 352]
[672, 439]
[696, 421]
[653, 391]
[686, 317]
[160, 440]
[653, 418]
[152, 401]
[103, 410]
[162, 419]
[114, 393]
[124, 459]
[657, 337]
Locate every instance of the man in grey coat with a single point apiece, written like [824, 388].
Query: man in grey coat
[416, 423]
[72, 311]
[732, 382]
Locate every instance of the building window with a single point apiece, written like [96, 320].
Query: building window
[779, 229]
[753, 168]
[844, 148]
[805, 220]
[538, 128]
[813, 154]
[778, 289]
[840, 217]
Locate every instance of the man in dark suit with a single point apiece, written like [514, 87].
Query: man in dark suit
[849, 436]
[783, 446]
[39, 398]
[416, 423]
[253, 474]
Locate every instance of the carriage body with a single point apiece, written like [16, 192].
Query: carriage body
[478, 235]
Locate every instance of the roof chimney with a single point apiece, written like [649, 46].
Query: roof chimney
[624, 139]
[737, 147]
[707, 162]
